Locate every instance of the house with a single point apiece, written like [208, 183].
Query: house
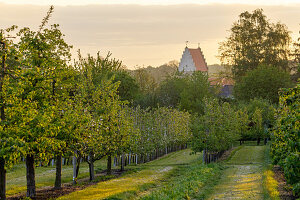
[192, 60]
[226, 85]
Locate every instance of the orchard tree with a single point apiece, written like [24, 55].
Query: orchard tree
[217, 128]
[109, 130]
[254, 40]
[263, 82]
[44, 53]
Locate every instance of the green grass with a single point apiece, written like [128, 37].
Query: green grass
[194, 181]
[244, 176]
[138, 180]
[248, 155]
[45, 176]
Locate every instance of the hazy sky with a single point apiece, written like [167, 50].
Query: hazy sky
[146, 32]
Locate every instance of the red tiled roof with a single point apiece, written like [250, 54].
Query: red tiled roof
[198, 59]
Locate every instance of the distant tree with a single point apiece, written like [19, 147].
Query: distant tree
[263, 82]
[295, 69]
[194, 92]
[128, 88]
[147, 86]
[145, 81]
[185, 91]
[253, 41]
[169, 91]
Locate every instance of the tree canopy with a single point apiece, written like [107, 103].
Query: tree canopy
[254, 40]
[263, 82]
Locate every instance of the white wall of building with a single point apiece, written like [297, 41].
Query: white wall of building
[186, 63]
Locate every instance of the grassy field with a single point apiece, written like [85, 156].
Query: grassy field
[246, 174]
[45, 176]
[179, 175]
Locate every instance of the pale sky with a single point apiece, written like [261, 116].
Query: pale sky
[150, 2]
[146, 32]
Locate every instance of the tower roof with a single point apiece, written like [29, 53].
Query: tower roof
[198, 59]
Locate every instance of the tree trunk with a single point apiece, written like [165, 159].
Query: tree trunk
[30, 176]
[74, 170]
[122, 162]
[2, 179]
[77, 167]
[204, 157]
[91, 166]
[57, 184]
[109, 165]
[258, 141]
[265, 141]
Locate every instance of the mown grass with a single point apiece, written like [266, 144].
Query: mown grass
[139, 178]
[45, 176]
[242, 177]
[194, 181]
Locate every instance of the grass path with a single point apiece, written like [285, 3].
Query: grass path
[130, 184]
[243, 176]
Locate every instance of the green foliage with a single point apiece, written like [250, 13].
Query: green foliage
[263, 82]
[147, 86]
[169, 91]
[253, 41]
[11, 147]
[194, 92]
[218, 128]
[44, 56]
[286, 147]
[261, 117]
[128, 88]
[185, 91]
[267, 111]
[160, 128]
[108, 129]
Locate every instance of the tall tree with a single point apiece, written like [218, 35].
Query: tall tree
[253, 41]
[44, 52]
